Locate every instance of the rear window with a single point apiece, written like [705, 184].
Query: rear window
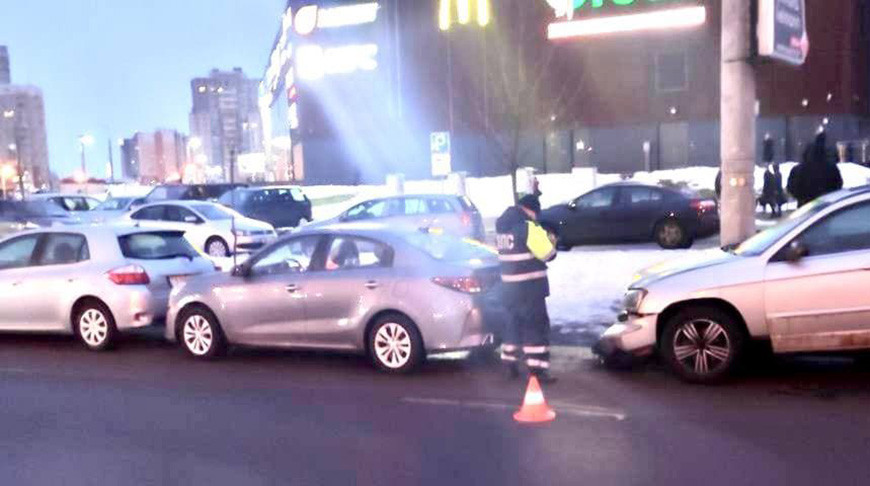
[167, 193]
[156, 246]
[450, 248]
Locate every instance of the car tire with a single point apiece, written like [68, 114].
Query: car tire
[702, 344]
[670, 234]
[395, 345]
[200, 334]
[217, 247]
[95, 326]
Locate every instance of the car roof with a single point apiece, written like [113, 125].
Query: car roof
[374, 230]
[96, 231]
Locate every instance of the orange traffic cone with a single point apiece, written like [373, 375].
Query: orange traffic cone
[534, 407]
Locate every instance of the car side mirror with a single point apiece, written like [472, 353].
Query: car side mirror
[795, 252]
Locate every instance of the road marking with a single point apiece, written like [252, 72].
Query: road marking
[561, 407]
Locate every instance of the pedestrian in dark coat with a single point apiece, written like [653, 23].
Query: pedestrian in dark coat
[815, 176]
[772, 193]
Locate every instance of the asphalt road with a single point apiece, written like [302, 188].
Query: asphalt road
[146, 414]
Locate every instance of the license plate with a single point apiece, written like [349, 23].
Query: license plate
[177, 279]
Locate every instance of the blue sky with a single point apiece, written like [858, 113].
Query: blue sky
[112, 67]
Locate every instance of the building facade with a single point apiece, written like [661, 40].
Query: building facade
[155, 157]
[5, 73]
[22, 132]
[224, 120]
[355, 90]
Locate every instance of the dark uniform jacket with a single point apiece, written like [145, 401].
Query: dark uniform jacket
[523, 248]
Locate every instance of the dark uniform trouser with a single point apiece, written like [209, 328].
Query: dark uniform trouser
[527, 334]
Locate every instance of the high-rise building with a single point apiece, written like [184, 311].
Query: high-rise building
[225, 119]
[154, 156]
[5, 74]
[22, 132]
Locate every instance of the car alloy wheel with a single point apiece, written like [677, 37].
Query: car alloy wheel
[198, 335]
[670, 234]
[702, 346]
[393, 345]
[217, 248]
[94, 328]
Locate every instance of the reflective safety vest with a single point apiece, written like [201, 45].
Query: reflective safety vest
[523, 249]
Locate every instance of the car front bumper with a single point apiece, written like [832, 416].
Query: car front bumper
[253, 243]
[633, 335]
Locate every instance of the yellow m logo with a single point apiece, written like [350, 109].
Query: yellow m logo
[462, 9]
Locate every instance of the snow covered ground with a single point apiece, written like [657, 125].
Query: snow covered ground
[587, 284]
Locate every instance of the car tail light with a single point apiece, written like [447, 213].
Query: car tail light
[129, 275]
[703, 205]
[468, 285]
[466, 219]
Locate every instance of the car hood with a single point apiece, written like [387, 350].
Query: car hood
[679, 266]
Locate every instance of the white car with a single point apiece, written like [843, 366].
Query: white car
[92, 281]
[804, 285]
[214, 229]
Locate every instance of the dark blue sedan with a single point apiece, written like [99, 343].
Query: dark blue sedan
[626, 212]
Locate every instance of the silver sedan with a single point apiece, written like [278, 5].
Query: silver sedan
[395, 296]
[91, 281]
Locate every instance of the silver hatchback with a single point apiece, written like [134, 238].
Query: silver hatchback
[394, 295]
[91, 281]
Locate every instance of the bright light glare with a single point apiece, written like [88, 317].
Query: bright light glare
[79, 176]
[306, 19]
[444, 15]
[194, 143]
[463, 10]
[8, 172]
[667, 19]
[363, 13]
[314, 62]
[483, 16]
[87, 139]
[8, 113]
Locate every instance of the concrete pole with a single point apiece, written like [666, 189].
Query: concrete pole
[737, 122]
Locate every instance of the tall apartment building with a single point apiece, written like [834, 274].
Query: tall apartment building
[5, 76]
[225, 118]
[154, 156]
[22, 132]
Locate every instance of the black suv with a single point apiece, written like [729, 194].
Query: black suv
[186, 192]
[283, 207]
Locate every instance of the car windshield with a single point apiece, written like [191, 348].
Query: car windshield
[156, 246]
[235, 197]
[167, 193]
[41, 208]
[759, 243]
[450, 248]
[114, 204]
[213, 212]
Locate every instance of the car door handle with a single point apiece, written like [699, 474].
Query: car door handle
[292, 288]
[371, 284]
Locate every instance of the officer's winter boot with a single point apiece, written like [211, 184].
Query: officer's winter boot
[545, 378]
[513, 371]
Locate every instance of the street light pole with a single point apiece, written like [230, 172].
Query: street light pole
[738, 118]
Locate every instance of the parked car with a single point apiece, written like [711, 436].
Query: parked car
[69, 202]
[453, 214]
[210, 227]
[189, 192]
[112, 209]
[395, 296]
[91, 281]
[20, 215]
[802, 285]
[284, 207]
[633, 212]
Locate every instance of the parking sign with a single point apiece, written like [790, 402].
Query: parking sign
[439, 146]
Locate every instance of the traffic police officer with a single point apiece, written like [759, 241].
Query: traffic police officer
[524, 247]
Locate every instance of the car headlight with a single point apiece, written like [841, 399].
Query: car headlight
[633, 299]
[239, 232]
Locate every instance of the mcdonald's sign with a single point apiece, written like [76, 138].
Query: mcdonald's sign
[462, 11]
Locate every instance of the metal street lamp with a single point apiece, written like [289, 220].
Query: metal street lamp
[85, 140]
